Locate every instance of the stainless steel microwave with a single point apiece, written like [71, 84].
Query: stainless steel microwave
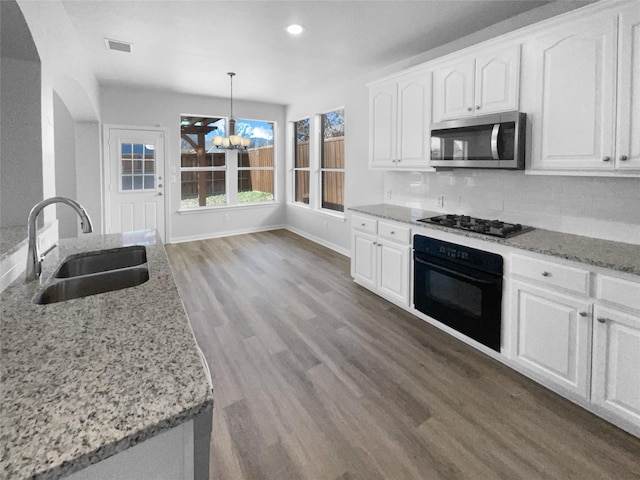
[488, 141]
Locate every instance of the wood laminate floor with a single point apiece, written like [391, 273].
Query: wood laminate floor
[317, 378]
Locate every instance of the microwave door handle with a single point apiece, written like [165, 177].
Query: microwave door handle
[453, 273]
[494, 141]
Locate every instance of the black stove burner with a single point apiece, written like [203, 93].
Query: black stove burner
[495, 228]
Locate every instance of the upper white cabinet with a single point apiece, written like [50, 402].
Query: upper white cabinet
[628, 121]
[576, 94]
[399, 122]
[477, 85]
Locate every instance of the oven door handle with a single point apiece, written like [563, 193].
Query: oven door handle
[453, 273]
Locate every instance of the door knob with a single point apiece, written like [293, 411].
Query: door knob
[606, 159]
[624, 158]
[159, 185]
[545, 274]
[159, 194]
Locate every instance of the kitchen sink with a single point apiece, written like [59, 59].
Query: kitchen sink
[101, 261]
[91, 284]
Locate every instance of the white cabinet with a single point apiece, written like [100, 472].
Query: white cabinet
[616, 363]
[577, 331]
[628, 120]
[380, 255]
[552, 331]
[616, 347]
[478, 85]
[399, 122]
[576, 128]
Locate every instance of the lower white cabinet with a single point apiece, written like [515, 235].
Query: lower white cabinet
[553, 336]
[380, 255]
[616, 363]
[576, 329]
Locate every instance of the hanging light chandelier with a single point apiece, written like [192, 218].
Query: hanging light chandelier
[232, 141]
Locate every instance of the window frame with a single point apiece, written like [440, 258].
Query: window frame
[322, 169]
[294, 169]
[272, 168]
[231, 169]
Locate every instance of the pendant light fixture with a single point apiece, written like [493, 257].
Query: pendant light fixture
[232, 141]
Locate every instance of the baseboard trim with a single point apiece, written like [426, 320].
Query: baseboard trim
[226, 233]
[318, 240]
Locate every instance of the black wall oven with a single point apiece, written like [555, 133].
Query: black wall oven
[459, 286]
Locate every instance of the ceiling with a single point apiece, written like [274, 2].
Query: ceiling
[188, 46]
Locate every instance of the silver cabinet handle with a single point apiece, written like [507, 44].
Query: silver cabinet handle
[393, 233]
[469, 109]
[606, 159]
[602, 319]
[477, 107]
[582, 314]
[624, 158]
[545, 274]
[363, 224]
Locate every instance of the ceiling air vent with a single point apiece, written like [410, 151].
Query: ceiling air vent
[118, 45]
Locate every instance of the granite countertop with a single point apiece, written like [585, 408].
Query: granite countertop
[85, 379]
[623, 257]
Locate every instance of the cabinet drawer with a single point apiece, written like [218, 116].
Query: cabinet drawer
[570, 278]
[394, 232]
[618, 291]
[364, 224]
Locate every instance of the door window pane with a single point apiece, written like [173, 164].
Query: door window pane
[136, 159]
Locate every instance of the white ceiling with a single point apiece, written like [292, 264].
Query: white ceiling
[188, 46]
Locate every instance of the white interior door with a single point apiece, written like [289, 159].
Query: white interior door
[135, 181]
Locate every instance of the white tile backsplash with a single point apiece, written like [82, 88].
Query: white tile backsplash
[600, 207]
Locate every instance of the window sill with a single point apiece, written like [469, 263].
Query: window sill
[189, 211]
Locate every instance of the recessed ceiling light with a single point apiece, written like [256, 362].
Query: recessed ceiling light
[295, 29]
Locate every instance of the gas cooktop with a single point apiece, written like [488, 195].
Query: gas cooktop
[495, 228]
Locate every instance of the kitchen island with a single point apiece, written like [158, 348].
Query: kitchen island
[85, 379]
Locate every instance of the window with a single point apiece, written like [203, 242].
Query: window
[137, 167]
[203, 168]
[256, 165]
[301, 166]
[209, 176]
[332, 160]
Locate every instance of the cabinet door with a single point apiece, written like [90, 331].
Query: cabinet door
[553, 336]
[393, 271]
[497, 81]
[628, 133]
[616, 357]
[383, 124]
[574, 123]
[364, 253]
[453, 91]
[413, 126]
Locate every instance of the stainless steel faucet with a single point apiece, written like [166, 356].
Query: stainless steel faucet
[34, 261]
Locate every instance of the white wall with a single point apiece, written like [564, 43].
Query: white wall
[66, 71]
[362, 186]
[159, 109]
[21, 139]
[65, 167]
[88, 162]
